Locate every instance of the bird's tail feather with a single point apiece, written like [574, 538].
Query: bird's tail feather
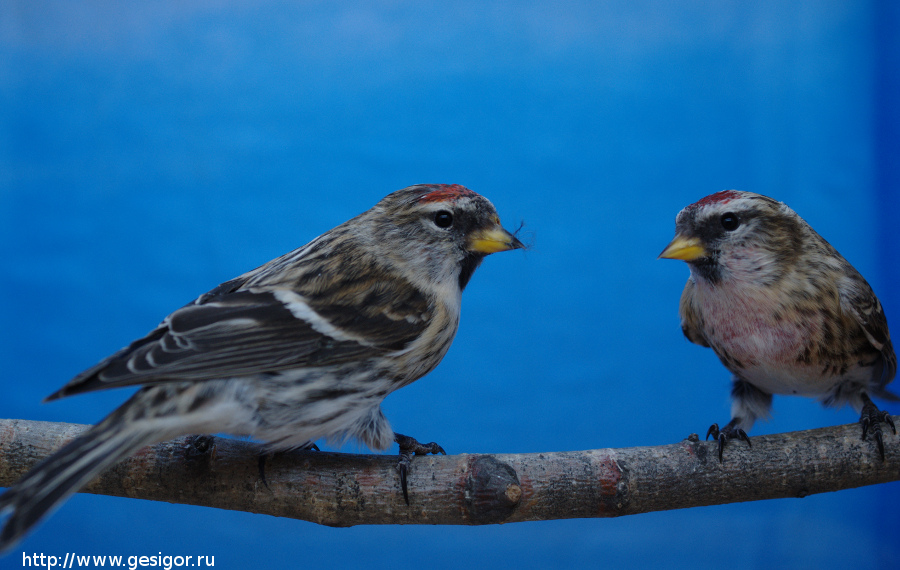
[64, 473]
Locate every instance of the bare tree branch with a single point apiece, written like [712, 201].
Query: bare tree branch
[340, 489]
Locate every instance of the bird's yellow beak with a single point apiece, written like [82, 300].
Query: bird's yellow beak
[493, 239]
[684, 248]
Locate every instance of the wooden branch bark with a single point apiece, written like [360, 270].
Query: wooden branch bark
[340, 489]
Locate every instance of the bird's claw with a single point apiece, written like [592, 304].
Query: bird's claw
[872, 417]
[261, 465]
[408, 447]
[308, 446]
[726, 433]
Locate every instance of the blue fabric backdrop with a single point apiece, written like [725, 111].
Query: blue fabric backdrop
[149, 151]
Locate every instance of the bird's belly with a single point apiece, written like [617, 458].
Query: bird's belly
[769, 356]
[309, 404]
[792, 380]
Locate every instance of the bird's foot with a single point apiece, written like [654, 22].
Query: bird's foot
[871, 420]
[726, 433]
[409, 446]
[308, 446]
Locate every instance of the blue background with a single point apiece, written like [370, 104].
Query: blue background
[149, 151]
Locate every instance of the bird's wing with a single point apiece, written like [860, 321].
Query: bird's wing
[690, 320]
[229, 333]
[859, 301]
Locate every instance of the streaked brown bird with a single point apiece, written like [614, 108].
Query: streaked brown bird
[303, 348]
[782, 309]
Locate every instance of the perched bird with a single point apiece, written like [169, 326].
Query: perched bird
[304, 347]
[782, 309]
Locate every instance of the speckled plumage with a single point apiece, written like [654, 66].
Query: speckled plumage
[302, 348]
[783, 310]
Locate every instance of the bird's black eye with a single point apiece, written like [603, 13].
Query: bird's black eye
[443, 219]
[730, 222]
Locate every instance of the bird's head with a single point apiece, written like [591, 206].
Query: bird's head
[443, 231]
[733, 235]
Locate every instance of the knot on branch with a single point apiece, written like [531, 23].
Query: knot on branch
[492, 490]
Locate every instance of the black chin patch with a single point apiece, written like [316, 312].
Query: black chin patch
[469, 264]
[708, 269]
